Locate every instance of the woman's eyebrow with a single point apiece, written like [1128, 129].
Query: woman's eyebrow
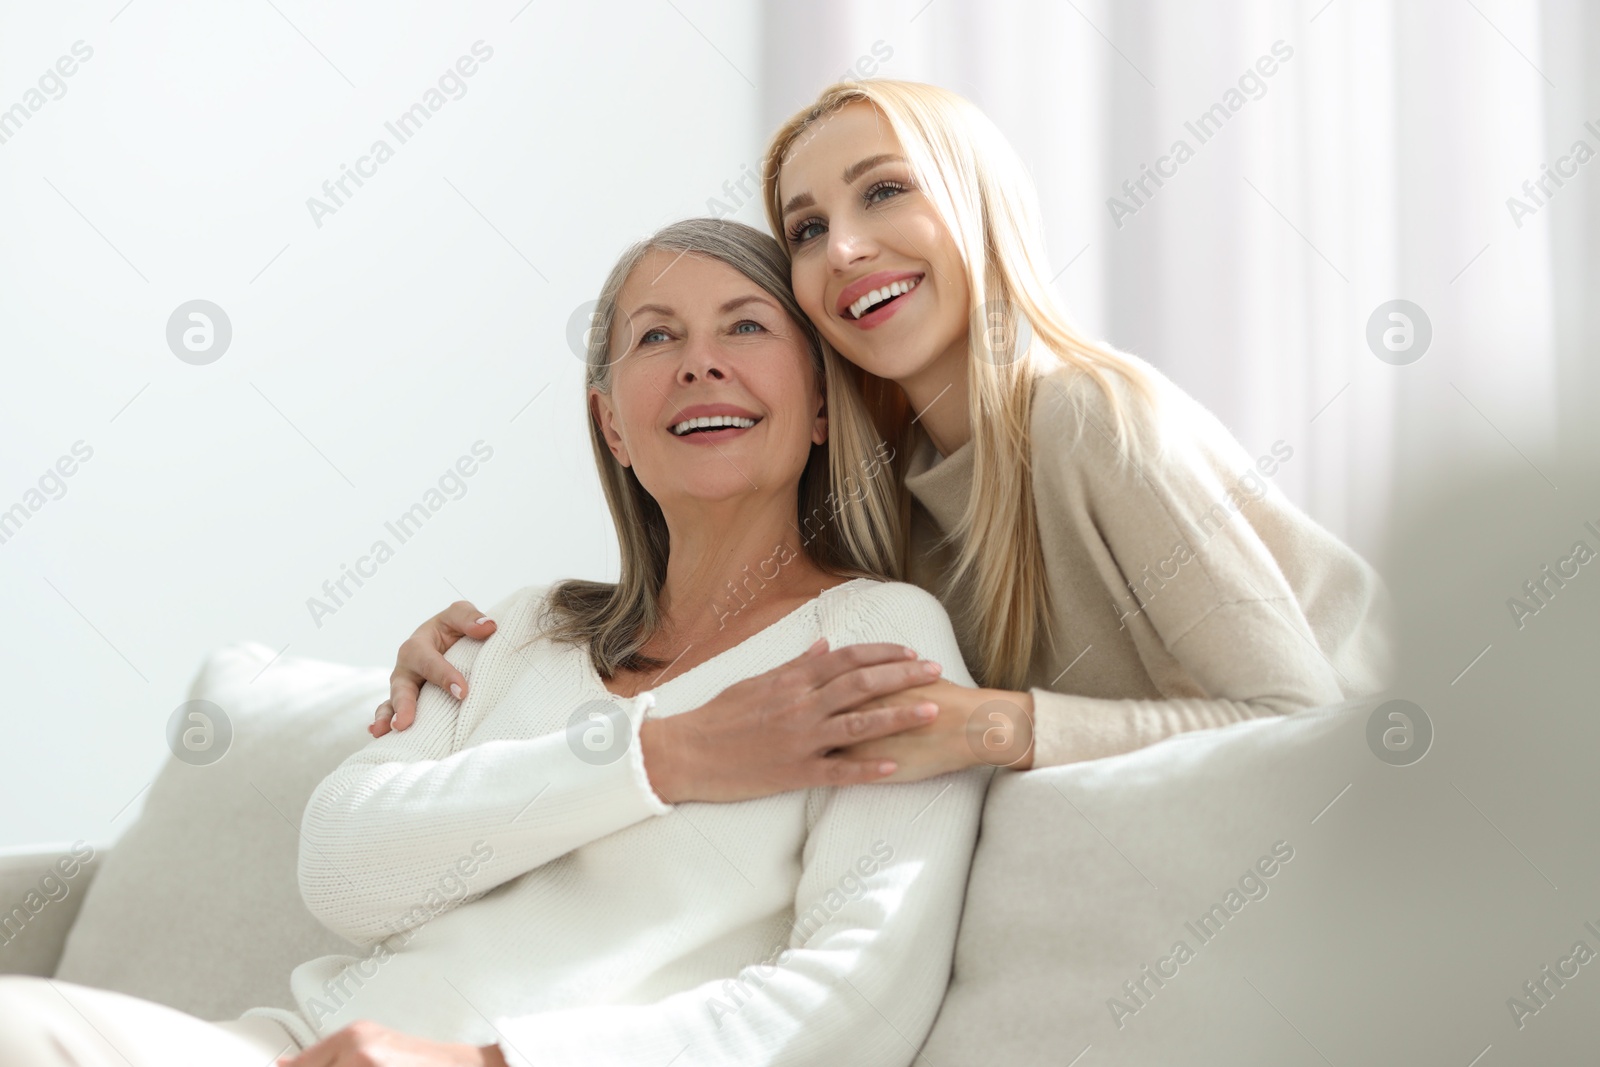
[798, 201]
[657, 308]
[748, 298]
[851, 173]
[736, 302]
[856, 170]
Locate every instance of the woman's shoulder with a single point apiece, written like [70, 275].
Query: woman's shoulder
[877, 610]
[1070, 401]
[869, 610]
[1116, 428]
[520, 615]
[516, 617]
[524, 602]
[877, 594]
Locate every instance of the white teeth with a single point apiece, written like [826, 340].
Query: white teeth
[717, 421]
[878, 296]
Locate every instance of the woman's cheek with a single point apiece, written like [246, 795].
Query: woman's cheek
[808, 293]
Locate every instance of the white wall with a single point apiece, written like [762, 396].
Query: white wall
[368, 354]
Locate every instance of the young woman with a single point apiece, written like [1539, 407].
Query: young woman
[533, 887]
[1118, 568]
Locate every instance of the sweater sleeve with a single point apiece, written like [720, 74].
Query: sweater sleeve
[1279, 677]
[875, 916]
[410, 809]
[1210, 607]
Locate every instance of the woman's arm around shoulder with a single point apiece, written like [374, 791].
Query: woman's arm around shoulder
[1178, 511]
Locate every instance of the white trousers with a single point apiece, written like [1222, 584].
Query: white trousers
[46, 1023]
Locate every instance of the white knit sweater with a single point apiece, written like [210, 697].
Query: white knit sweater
[515, 879]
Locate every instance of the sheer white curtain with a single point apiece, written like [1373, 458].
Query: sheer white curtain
[1373, 163]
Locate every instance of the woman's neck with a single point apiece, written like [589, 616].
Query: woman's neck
[728, 575]
[711, 621]
[938, 397]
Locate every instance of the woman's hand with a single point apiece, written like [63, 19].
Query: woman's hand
[422, 660]
[366, 1044]
[990, 726]
[786, 729]
[783, 730]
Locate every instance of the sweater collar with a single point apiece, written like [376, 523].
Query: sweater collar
[942, 486]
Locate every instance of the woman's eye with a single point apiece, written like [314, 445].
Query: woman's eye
[805, 230]
[891, 188]
[740, 327]
[658, 333]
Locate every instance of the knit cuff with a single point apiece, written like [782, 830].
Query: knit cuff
[1061, 733]
[639, 707]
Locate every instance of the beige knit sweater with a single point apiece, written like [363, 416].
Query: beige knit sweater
[1186, 590]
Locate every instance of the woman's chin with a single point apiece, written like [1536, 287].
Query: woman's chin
[892, 351]
[886, 361]
[724, 486]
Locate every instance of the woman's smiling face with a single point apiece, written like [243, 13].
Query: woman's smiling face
[873, 265]
[713, 390]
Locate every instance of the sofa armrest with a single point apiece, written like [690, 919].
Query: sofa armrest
[39, 901]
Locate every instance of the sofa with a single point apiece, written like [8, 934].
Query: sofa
[1319, 924]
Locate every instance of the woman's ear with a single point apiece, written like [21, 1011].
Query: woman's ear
[606, 417]
[819, 427]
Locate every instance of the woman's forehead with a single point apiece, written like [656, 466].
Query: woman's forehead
[823, 150]
[680, 280]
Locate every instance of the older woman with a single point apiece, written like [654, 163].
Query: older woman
[533, 883]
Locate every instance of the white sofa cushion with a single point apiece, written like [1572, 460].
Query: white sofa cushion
[41, 889]
[197, 905]
[1085, 873]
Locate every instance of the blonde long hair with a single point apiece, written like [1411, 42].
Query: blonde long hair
[981, 190]
[848, 517]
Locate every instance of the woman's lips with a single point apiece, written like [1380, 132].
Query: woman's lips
[882, 313]
[876, 280]
[711, 437]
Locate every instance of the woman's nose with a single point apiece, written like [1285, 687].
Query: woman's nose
[847, 246]
[701, 360]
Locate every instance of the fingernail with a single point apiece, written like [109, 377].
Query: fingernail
[455, 690]
[886, 767]
[931, 667]
[911, 653]
[927, 711]
[483, 620]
